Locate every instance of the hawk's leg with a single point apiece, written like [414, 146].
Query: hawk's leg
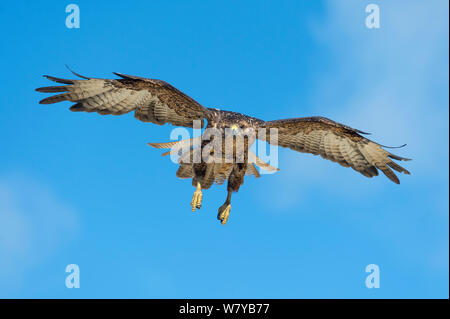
[197, 198]
[235, 180]
[224, 210]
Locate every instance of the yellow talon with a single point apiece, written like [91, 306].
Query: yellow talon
[224, 213]
[197, 198]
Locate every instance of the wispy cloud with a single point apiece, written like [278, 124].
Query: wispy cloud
[34, 223]
[391, 81]
[398, 74]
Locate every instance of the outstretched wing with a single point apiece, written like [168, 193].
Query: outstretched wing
[153, 101]
[336, 142]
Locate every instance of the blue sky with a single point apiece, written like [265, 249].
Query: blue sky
[86, 189]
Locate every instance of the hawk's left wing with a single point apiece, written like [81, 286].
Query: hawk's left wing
[336, 142]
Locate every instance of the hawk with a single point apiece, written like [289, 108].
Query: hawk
[159, 102]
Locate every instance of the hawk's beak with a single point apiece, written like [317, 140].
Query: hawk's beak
[234, 129]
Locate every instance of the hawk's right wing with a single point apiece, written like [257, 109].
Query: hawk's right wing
[153, 101]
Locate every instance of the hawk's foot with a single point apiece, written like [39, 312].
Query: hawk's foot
[224, 213]
[197, 199]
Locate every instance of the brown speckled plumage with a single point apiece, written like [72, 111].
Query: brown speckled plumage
[158, 102]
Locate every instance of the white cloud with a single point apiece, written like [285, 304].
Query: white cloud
[398, 74]
[33, 225]
[392, 82]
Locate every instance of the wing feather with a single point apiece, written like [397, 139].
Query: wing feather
[336, 142]
[152, 100]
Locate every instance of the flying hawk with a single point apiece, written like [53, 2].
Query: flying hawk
[158, 102]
